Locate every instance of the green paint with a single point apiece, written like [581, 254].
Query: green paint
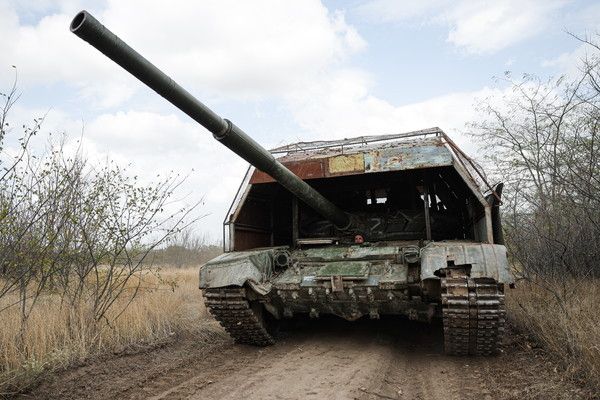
[345, 268]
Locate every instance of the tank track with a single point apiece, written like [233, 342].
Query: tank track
[473, 314]
[243, 322]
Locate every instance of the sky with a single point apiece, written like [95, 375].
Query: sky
[283, 71]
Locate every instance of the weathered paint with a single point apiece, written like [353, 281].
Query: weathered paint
[400, 158]
[346, 269]
[355, 252]
[237, 268]
[397, 156]
[351, 281]
[347, 163]
[486, 260]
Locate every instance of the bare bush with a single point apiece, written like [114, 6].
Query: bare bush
[544, 144]
[543, 140]
[79, 232]
[168, 306]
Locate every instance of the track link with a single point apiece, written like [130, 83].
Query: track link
[473, 313]
[242, 320]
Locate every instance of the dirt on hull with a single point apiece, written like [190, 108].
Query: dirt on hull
[328, 358]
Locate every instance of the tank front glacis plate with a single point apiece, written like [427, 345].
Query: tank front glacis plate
[350, 282]
[361, 265]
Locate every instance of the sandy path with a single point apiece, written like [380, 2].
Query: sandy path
[328, 359]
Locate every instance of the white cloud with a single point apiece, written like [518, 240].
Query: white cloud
[569, 63]
[476, 26]
[159, 144]
[486, 27]
[344, 107]
[256, 47]
[583, 23]
[239, 49]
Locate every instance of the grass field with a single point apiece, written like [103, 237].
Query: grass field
[569, 330]
[56, 337]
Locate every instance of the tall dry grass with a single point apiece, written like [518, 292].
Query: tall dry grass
[565, 320]
[168, 305]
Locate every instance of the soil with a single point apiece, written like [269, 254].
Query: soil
[320, 359]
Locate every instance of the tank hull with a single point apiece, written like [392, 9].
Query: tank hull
[461, 283]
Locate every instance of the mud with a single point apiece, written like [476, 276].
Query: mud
[324, 359]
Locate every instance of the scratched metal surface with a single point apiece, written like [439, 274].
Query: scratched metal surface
[399, 155]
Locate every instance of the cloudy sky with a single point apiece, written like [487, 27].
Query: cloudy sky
[282, 70]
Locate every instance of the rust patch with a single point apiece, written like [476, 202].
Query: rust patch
[303, 169]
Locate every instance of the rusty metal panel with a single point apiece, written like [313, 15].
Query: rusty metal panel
[308, 169]
[406, 158]
[424, 153]
[260, 177]
[346, 164]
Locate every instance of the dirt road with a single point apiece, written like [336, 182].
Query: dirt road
[326, 359]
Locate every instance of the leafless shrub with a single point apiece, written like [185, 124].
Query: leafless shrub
[543, 140]
[78, 231]
[166, 309]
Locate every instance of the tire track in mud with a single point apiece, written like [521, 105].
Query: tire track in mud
[329, 358]
[337, 360]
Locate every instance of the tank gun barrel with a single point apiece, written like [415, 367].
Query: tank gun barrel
[92, 31]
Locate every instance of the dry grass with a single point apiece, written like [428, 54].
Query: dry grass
[565, 321]
[57, 337]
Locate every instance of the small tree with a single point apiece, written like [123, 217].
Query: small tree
[74, 229]
[544, 144]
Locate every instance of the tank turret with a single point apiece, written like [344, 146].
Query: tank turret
[92, 31]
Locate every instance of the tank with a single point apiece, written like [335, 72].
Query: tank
[402, 224]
